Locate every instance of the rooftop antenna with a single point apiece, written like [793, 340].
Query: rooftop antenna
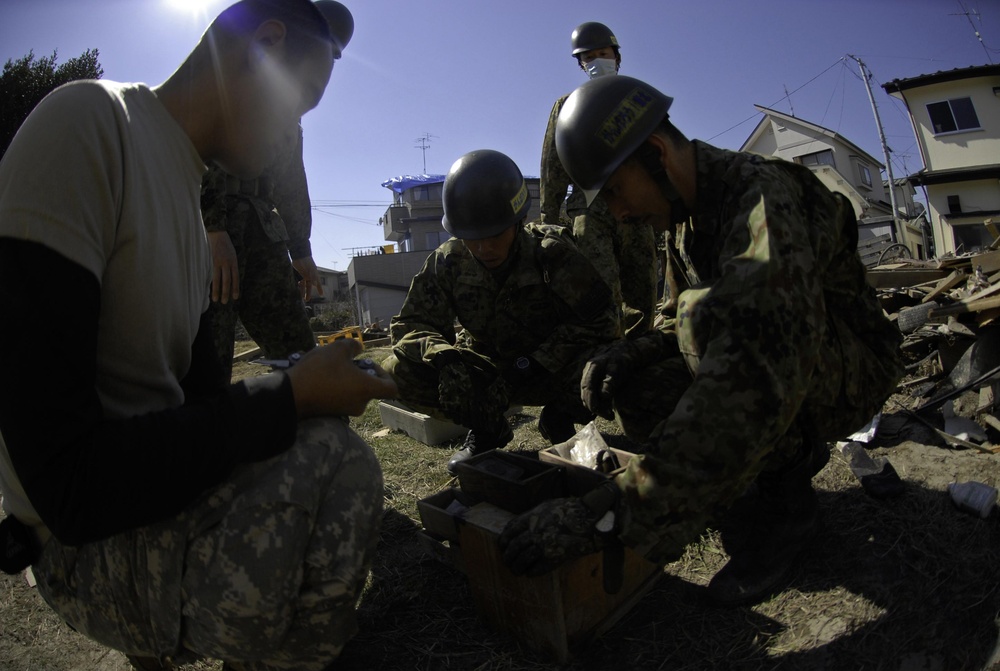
[866, 76]
[788, 97]
[425, 143]
[968, 15]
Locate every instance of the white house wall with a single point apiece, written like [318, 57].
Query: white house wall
[960, 148]
[789, 140]
[975, 196]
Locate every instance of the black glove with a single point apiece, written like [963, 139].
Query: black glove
[548, 535]
[471, 396]
[558, 530]
[455, 391]
[611, 368]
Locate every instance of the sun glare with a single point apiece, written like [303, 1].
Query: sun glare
[193, 7]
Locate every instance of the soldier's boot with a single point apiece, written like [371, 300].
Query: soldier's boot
[784, 519]
[478, 441]
[555, 425]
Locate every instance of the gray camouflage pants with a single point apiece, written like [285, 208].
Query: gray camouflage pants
[265, 569]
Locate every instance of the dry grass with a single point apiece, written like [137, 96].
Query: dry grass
[908, 583]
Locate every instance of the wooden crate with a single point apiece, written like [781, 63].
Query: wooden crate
[509, 481]
[553, 614]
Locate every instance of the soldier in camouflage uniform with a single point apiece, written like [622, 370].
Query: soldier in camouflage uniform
[253, 225]
[530, 305]
[777, 346]
[625, 256]
[165, 514]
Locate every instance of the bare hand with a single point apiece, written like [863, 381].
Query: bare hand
[306, 267]
[327, 382]
[225, 267]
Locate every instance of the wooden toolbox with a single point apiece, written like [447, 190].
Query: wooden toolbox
[553, 614]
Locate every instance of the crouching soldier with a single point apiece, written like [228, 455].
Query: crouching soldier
[778, 345]
[531, 309]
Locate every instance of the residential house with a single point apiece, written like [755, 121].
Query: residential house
[335, 286]
[956, 120]
[379, 277]
[846, 168]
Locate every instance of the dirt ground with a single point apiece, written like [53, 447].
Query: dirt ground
[908, 583]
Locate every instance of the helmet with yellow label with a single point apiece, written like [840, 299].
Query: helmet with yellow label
[602, 123]
[484, 195]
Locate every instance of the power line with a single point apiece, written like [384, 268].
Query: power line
[775, 103]
[968, 16]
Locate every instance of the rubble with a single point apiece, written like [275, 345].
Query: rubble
[948, 311]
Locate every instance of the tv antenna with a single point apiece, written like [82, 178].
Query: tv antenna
[788, 97]
[968, 15]
[425, 143]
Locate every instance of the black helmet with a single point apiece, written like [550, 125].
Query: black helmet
[592, 35]
[484, 195]
[602, 123]
[341, 23]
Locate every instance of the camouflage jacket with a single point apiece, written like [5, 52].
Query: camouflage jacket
[551, 306]
[554, 181]
[774, 315]
[279, 199]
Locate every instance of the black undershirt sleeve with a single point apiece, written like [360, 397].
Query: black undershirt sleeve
[88, 477]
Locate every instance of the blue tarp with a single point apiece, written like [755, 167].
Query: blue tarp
[404, 182]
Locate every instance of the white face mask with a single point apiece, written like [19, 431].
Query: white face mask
[600, 67]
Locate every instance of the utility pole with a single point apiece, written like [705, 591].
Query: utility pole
[885, 149]
[425, 143]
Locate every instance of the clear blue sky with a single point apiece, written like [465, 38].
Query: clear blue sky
[484, 74]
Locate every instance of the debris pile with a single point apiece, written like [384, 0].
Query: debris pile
[949, 313]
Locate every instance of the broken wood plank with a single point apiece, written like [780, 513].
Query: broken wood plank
[954, 279]
[954, 441]
[903, 277]
[871, 242]
[989, 262]
[967, 306]
[991, 420]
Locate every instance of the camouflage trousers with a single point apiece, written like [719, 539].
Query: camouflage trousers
[700, 480]
[418, 384]
[270, 305]
[625, 257]
[265, 569]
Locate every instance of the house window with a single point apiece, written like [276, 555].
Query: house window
[953, 115]
[971, 238]
[866, 175]
[824, 157]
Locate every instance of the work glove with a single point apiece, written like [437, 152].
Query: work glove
[560, 530]
[553, 532]
[469, 396]
[455, 390]
[610, 369]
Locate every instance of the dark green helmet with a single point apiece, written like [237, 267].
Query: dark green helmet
[602, 123]
[484, 195]
[592, 35]
[341, 23]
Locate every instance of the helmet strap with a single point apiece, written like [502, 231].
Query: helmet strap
[649, 158]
